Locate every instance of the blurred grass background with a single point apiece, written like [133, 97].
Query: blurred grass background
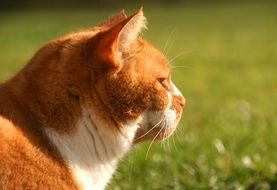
[224, 57]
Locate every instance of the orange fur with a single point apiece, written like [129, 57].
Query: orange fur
[83, 68]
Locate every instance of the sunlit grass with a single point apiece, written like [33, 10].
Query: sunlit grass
[227, 72]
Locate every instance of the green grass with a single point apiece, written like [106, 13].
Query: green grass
[227, 72]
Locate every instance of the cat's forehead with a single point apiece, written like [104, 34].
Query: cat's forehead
[155, 58]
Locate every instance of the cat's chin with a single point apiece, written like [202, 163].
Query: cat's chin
[153, 134]
[159, 126]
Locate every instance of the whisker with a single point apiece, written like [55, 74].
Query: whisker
[173, 139]
[169, 48]
[146, 156]
[178, 55]
[163, 141]
[150, 129]
[168, 39]
[168, 144]
[181, 66]
[179, 133]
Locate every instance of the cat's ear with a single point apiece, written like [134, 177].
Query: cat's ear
[119, 38]
[130, 30]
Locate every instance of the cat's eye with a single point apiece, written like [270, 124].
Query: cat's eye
[161, 80]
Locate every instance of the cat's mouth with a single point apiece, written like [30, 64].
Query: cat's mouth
[153, 133]
[158, 126]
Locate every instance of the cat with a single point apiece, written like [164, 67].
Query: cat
[81, 103]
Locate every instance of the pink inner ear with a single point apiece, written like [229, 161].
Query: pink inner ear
[117, 38]
[131, 30]
[106, 48]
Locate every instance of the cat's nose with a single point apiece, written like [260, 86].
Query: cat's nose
[182, 101]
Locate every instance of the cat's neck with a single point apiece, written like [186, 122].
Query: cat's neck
[93, 150]
[14, 109]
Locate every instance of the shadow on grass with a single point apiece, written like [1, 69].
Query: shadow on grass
[262, 183]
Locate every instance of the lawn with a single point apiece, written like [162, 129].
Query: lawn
[224, 59]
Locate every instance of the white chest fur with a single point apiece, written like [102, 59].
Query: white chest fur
[93, 151]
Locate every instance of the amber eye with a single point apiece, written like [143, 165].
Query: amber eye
[162, 81]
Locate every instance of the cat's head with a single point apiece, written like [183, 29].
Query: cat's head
[119, 76]
[137, 82]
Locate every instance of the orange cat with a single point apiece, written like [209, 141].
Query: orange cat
[81, 103]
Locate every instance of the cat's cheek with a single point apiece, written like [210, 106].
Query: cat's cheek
[159, 99]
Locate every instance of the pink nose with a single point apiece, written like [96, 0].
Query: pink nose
[182, 101]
